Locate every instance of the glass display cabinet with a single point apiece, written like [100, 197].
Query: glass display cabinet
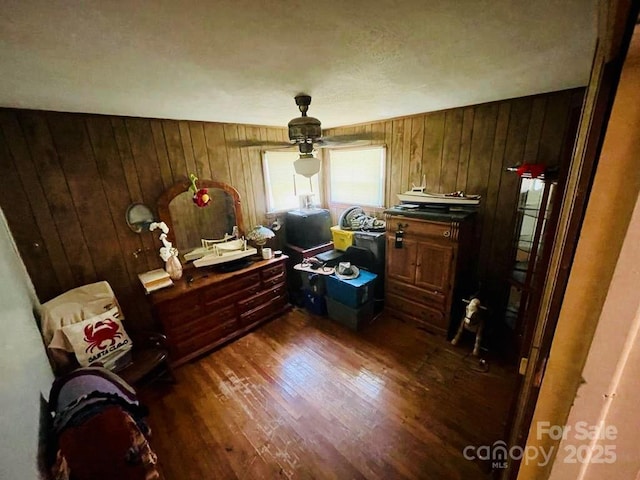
[532, 232]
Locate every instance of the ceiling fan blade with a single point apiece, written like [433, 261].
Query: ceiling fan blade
[355, 139]
[260, 144]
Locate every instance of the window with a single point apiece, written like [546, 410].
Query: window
[357, 176]
[282, 184]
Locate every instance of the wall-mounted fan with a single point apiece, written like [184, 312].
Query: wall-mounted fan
[306, 133]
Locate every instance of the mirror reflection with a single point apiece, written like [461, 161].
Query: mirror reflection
[139, 217]
[189, 224]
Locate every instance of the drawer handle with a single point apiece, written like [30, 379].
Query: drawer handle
[447, 233]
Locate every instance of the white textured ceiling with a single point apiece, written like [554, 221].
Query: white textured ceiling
[242, 61]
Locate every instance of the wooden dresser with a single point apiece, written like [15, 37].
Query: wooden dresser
[214, 308]
[433, 268]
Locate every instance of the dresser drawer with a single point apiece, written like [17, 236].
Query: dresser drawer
[421, 313]
[273, 271]
[417, 228]
[203, 324]
[260, 313]
[269, 282]
[432, 297]
[190, 345]
[214, 293]
[178, 311]
[215, 303]
[262, 298]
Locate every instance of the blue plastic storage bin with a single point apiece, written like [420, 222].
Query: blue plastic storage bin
[314, 303]
[354, 292]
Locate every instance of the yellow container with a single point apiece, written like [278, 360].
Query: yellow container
[342, 239]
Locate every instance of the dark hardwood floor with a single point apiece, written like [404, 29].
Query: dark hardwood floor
[304, 397]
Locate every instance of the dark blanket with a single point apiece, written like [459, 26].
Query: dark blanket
[100, 429]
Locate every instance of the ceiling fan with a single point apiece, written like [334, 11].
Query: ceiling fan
[306, 133]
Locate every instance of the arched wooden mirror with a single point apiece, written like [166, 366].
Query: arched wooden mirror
[189, 224]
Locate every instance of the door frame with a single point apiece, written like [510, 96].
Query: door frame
[617, 21]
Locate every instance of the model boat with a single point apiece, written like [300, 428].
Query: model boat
[418, 196]
[215, 252]
[219, 257]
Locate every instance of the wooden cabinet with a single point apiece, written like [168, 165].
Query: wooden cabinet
[432, 267]
[214, 308]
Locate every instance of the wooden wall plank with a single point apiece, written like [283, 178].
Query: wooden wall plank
[504, 220]
[175, 152]
[555, 124]
[518, 130]
[200, 153]
[161, 152]
[406, 155]
[112, 174]
[98, 260]
[490, 198]
[18, 208]
[145, 160]
[254, 166]
[235, 169]
[451, 150]
[217, 152]
[121, 136]
[187, 148]
[416, 157]
[49, 192]
[538, 109]
[246, 179]
[433, 150]
[480, 154]
[465, 148]
[395, 158]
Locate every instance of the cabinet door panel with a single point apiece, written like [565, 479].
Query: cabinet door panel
[401, 262]
[433, 266]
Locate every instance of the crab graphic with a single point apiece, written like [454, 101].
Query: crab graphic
[101, 335]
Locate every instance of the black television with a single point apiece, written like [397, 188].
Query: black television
[308, 227]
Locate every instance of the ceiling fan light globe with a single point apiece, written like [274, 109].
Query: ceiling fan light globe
[307, 165]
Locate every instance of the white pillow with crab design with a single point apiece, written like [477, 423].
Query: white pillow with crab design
[98, 338]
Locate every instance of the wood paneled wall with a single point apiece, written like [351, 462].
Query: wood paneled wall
[469, 149]
[66, 179]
